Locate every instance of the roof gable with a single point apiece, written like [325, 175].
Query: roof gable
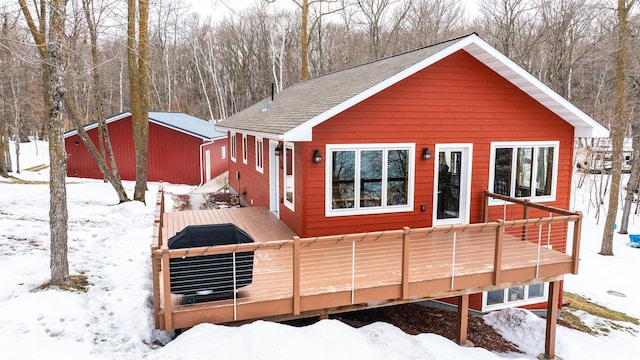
[297, 109]
[175, 120]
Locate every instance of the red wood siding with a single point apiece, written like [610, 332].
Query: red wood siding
[218, 164]
[173, 156]
[252, 185]
[457, 100]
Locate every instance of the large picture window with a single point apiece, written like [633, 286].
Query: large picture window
[369, 178]
[524, 170]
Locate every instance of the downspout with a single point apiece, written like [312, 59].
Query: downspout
[202, 177]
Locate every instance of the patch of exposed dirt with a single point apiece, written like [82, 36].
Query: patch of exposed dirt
[416, 319]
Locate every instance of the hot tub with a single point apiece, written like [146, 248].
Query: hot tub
[210, 277]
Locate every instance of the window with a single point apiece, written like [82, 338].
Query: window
[514, 296]
[259, 155]
[524, 170]
[233, 145]
[245, 151]
[369, 178]
[223, 152]
[289, 183]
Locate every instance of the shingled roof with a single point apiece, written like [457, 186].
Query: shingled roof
[295, 110]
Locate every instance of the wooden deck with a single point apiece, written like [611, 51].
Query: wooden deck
[295, 277]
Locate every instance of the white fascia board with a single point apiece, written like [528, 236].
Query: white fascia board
[95, 124]
[264, 135]
[303, 132]
[583, 124]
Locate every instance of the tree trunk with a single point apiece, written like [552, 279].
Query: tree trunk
[58, 215]
[618, 126]
[632, 184]
[137, 55]
[110, 173]
[304, 40]
[110, 176]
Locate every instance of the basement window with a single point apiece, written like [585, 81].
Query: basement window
[514, 296]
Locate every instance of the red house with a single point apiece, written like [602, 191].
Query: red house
[182, 149]
[411, 140]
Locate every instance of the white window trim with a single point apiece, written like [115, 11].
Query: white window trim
[259, 155]
[233, 144]
[245, 149]
[223, 152]
[287, 203]
[329, 212]
[467, 149]
[556, 156]
[509, 304]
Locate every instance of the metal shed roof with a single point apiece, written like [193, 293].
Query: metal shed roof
[176, 120]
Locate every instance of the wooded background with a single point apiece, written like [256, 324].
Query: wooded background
[211, 68]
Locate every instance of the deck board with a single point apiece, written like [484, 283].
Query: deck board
[344, 273]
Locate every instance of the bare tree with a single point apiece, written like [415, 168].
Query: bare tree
[54, 90]
[619, 124]
[305, 30]
[430, 21]
[511, 26]
[377, 21]
[137, 59]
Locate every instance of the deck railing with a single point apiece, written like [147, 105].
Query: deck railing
[398, 265]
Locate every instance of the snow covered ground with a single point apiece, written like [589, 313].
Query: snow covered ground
[113, 319]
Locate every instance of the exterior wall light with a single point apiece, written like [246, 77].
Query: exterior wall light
[277, 150]
[426, 154]
[317, 157]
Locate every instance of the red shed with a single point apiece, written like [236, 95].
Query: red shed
[182, 149]
[412, 140]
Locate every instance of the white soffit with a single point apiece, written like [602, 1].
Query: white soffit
[584, 125]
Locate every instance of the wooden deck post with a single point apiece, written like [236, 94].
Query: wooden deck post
[575, 251]
[462, 319]
[166, 288]
[485, 206]
[552, 319]
[525, 215]
[497, 261]
[406, 244]
[296, 275]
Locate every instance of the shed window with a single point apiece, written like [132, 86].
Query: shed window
[233, 145]
[223, 152]
[289, 175]
[369, 178]
[259, 155]
[524, 170]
